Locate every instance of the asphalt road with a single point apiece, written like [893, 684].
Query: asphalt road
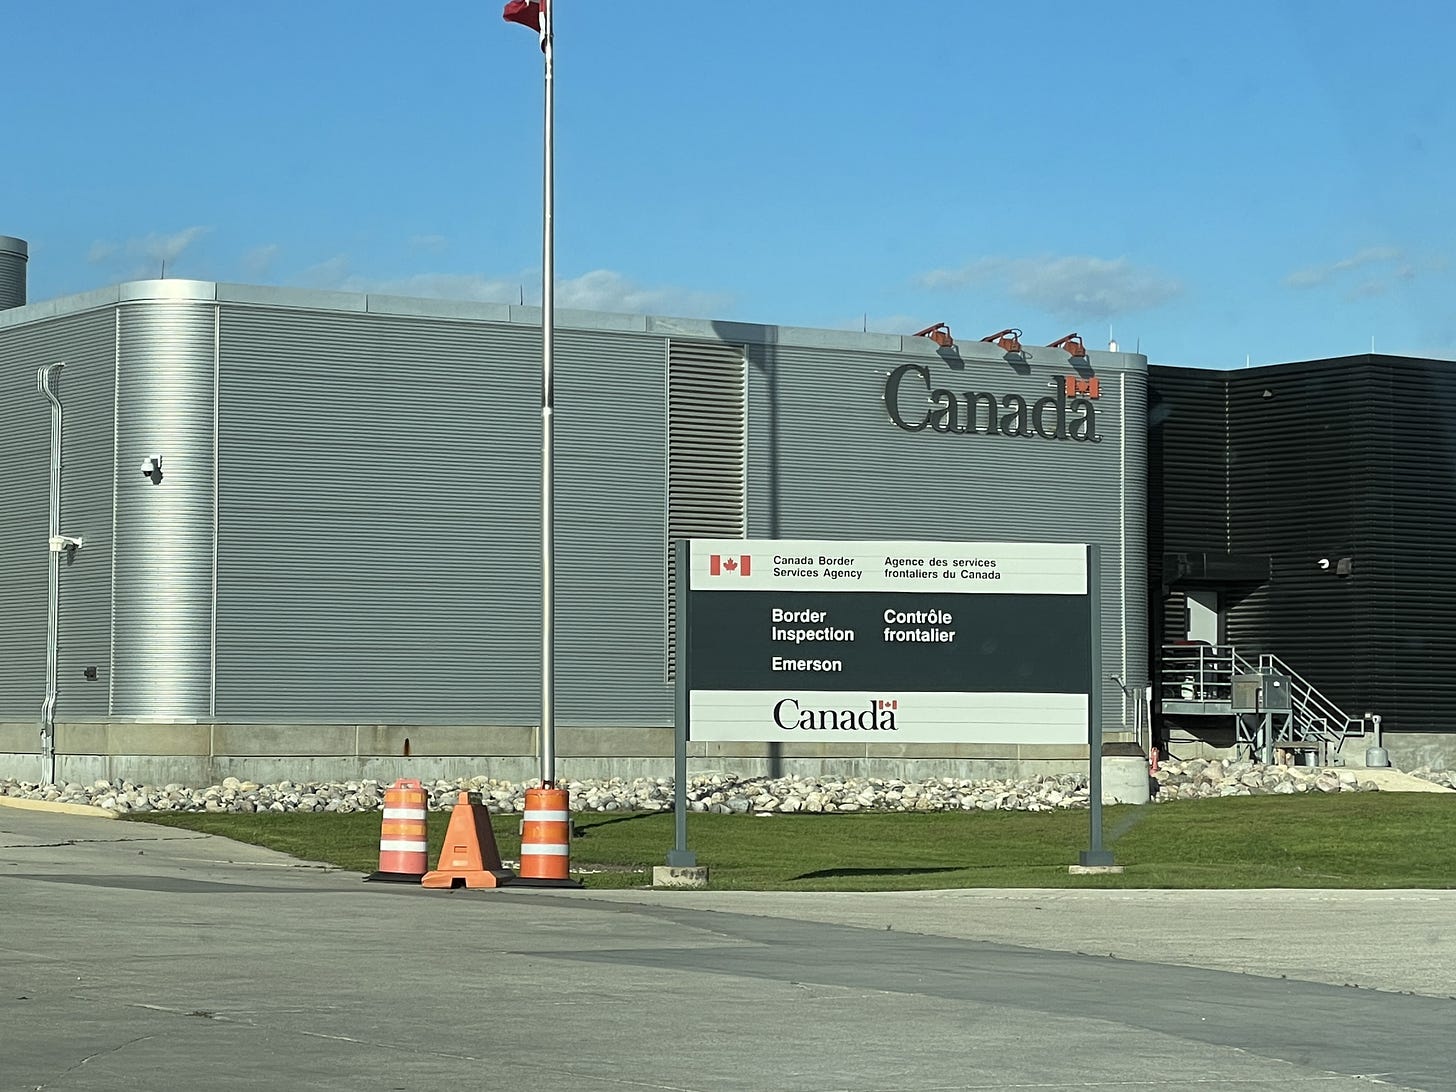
[138, 957]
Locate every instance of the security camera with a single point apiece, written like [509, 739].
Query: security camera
[152, 468]
[1324, 563]
[149, 466]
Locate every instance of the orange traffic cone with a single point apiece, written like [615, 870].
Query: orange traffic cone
[546, 839]
[404, 847]
[469, 857]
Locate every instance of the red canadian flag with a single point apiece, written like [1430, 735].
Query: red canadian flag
[529, 13]
[729, 566]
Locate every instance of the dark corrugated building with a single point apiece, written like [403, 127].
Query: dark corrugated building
[1306, 512]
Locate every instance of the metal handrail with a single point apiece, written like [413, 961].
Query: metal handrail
[1206, 670]
[1311, 698]
[1205, 673]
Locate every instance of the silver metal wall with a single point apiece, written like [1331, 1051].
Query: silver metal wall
[87, 387]
[162, 612]
[611, 580]
[379, 554]
[84, 343]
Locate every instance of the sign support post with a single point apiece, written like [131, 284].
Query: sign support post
[680, 856]
[1095, 856]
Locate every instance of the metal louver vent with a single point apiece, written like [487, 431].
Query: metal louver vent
[707, 453]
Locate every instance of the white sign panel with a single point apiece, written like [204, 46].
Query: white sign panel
[1000, 568]
[882, 716]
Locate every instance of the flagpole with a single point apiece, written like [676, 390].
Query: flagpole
[548, 400]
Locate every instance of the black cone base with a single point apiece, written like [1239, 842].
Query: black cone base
[522, 881]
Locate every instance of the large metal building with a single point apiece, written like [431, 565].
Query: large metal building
[295, 534]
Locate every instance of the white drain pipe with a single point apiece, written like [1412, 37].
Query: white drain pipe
[45, 376]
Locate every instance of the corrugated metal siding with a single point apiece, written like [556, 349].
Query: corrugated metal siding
[611, 455]
[1187, 468]
[1349, 457]
[84, 343]
[88, 398]
[1174, 619]
[378, 489]
[162, 664]
[1408, 550]
[1187, 460]
[827, 462]
[379, 556]
[707, 453]
[1300, 446]
[24, 442]
[707, 460]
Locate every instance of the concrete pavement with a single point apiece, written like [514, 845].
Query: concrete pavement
[139, 957]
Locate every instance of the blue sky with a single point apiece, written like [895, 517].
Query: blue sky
[1211, 182]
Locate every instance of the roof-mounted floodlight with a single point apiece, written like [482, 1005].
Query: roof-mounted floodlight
[939, 333]
[1008, 339]
[1072, 343]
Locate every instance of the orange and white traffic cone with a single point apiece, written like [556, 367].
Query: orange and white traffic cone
[546, 840]
[404, 845]
[469, 857]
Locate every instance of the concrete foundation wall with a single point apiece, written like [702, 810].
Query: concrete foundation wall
[199, 754]
[1407, 750]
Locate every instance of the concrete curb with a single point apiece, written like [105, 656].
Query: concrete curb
[56, 807]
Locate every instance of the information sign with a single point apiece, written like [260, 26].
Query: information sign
[885, 641]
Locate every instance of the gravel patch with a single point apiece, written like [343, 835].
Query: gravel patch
[1445, 778]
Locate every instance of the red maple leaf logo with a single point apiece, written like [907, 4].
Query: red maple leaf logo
[741, 565]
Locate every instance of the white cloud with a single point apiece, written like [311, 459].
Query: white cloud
[151, 251]
[599, 290]
[1074, 288]
[450, 286]
[336, 274]
[1313, 275]
[606, 290]
[330, 273]
[258, 262]
[168, 248]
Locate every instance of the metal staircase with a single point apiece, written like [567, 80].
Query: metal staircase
[1273, 708]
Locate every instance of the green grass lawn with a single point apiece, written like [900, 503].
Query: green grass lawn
[1336, 840]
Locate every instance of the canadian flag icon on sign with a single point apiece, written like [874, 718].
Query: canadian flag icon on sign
[718, 565]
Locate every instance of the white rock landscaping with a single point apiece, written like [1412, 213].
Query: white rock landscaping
[725, 794]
